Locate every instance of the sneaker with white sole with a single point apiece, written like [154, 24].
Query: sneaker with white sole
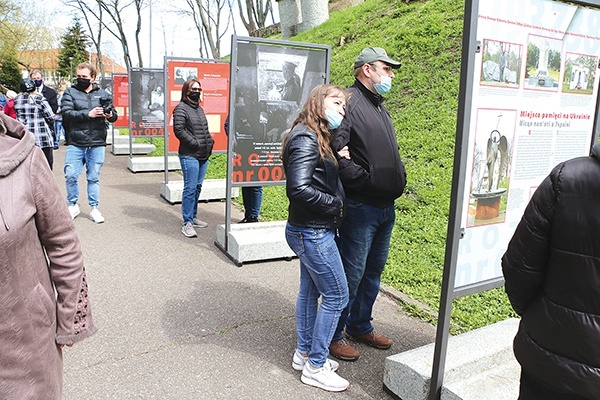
[188, 230]
[96, 216]
[74, 210]
[324, 378]
[299, 360]
[199, 224]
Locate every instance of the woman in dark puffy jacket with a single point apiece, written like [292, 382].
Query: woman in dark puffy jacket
[316, 209]
[195, 147]
[552, 273]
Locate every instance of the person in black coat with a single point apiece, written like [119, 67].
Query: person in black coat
[552, 273]
[195, 147]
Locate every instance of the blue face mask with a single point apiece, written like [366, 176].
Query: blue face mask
[384, 86]
[334, 118]
[38, 82]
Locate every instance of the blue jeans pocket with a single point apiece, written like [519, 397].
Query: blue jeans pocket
[295, 241]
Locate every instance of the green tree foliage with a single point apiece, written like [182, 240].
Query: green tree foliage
[10, 74]
[73, 50]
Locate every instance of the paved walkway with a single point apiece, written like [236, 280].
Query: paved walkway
[178, 320]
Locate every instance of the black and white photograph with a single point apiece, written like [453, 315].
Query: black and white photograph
[271, 83]
[147, 100]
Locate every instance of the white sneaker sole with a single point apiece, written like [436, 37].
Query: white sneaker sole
[299, 367]
[311, 382]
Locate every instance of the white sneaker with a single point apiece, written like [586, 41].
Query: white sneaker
[298, 362]
[96, 216]
[324, 378]
[74, 210]
[200, 224]
[188, 230]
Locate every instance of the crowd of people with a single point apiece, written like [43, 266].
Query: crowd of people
[343, 174]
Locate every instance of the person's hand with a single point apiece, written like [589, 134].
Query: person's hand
[96, 112]
[344, 152]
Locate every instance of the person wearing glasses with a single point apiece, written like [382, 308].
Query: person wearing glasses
[195, 147]
[373, 178]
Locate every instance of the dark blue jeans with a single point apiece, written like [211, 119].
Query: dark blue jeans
[364, 242]
[252, 197]
[321, 275]
[193, 177]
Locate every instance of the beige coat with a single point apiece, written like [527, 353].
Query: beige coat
[43, 291]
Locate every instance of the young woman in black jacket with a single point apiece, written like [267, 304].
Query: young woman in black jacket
[316, 209]
[195, 147]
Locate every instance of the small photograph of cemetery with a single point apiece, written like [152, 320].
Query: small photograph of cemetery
[501, 63]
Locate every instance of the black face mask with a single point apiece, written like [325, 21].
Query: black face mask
[82, 83]
[194, 96]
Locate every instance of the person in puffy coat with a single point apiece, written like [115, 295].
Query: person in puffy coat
[552, 273]
[86, 111]
[44, 301]
[195, 147]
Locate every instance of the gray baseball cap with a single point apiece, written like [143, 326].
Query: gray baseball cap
[372, 54]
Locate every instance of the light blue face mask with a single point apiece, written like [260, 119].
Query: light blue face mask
[384, 86]
[334, 118]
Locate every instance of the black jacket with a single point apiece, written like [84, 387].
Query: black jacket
[191, 128]
[313, 186]
[552, 273]
[375, 174]
[81, 130]
[52, 97]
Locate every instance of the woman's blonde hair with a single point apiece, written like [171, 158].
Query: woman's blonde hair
[312, 115]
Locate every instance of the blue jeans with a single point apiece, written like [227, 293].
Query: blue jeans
[364, 242]
[252, 196]
[93, 158]
[58, 132]
[193, 177]
[321, 274]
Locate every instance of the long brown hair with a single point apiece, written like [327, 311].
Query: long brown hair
[313, 117]
[186, 88]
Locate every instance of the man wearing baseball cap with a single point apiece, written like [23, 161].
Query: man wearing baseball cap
[373, 178]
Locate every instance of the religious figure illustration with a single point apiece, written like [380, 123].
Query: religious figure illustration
[491, 168]
[497, 151]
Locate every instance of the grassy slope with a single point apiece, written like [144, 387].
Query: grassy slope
[426, 37]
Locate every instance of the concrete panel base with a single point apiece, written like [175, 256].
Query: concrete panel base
[479, 365]
[212, 189]
[152, 164]
[256, 241]
[136, 148]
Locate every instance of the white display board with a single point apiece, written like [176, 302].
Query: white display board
[534, 98]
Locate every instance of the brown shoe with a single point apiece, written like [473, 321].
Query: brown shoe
[372, 339]
[343, 350]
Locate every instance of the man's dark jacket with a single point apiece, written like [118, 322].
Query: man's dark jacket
[191, 128]
[52, 97]
[312, 183]
[374, 174]
[552, 273]
[81, 130]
